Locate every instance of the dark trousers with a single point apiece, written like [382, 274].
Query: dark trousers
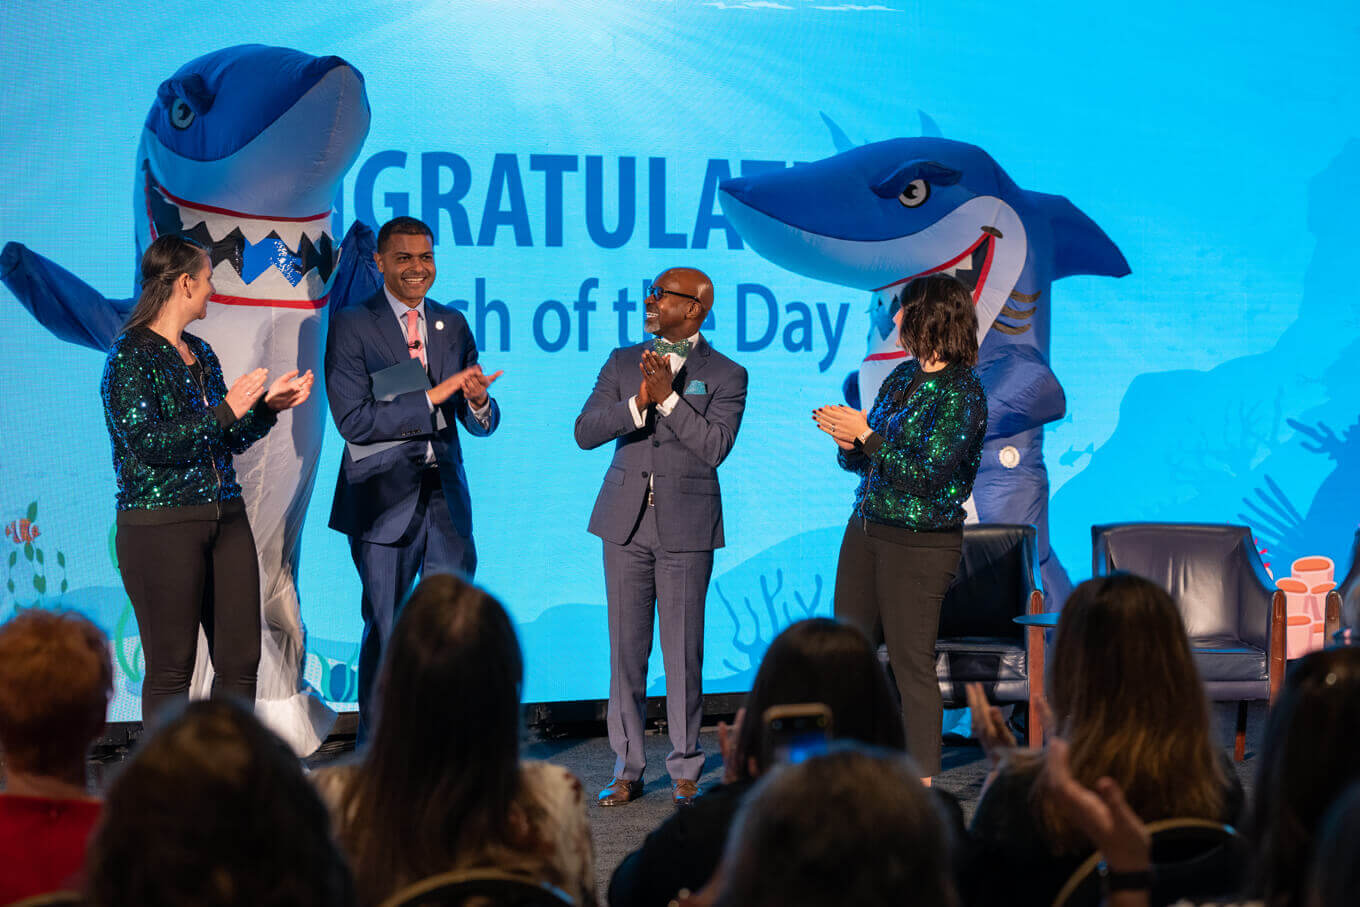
[187, 574]
[890, 583]
[643, 580]
[388, 573]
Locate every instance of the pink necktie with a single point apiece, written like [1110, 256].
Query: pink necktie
[413, 344]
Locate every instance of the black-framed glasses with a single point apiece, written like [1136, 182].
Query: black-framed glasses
[657, 291]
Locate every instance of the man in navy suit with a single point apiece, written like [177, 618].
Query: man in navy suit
[672, 407]
[405, 507]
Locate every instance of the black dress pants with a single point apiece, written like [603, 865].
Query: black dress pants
[890, 583]
[180, 575]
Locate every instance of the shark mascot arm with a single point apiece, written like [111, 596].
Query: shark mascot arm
[63, 303]
[76, 312]
[874, 217]
[244, 150]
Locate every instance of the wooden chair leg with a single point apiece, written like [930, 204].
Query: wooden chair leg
[1240, 740]
[1034, 662]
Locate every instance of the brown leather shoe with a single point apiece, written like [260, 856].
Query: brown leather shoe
[619, 792]
[684, 791]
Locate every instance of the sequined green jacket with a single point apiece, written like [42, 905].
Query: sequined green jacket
[173, 436]
[918, 467]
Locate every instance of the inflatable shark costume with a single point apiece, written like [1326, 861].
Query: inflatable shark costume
[876, 216]
[244, 150]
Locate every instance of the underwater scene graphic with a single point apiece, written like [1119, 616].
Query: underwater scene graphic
[1158, 232]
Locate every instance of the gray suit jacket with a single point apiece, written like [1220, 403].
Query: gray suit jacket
[679, 454]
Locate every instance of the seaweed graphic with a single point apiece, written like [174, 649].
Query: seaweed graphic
[25, 532]
[1279, 522]
[754, 650]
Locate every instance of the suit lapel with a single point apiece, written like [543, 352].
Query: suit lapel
[695, 364]
[388, 330]
[437, 349]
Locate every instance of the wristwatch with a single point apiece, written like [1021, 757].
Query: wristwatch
[1110, 881]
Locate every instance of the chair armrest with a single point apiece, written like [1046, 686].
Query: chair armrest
[1277, 641]
[1331, 617]
[1257, 599]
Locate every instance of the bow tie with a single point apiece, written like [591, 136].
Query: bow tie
[680, 348]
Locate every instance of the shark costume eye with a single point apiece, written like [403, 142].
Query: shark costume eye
[915, 194]
[181, 114]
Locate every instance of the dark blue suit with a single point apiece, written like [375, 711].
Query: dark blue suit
[658, 557]
[403, 516]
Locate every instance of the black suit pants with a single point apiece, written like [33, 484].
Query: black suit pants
[890, 583]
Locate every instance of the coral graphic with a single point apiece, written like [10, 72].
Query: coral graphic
[754, 649]
[32, 571]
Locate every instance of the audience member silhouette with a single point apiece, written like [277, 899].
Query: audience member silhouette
[441, 786]
[1128, 701]
[55, 683]
[213, 810]
[818, 660]
[853, 826]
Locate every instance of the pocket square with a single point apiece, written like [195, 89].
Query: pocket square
[696, 387]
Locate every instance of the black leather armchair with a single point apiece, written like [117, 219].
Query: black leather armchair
[1234, 616]
[979, 640]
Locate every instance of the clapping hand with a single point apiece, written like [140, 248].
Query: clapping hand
[657, 377]
[727, 745]
[471, 382]
[1102, 813]
[475, 383]
[289, 390]
[245, 390]
[998, 743]
[843, 423]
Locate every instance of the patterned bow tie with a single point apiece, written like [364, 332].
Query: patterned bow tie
[680, 348]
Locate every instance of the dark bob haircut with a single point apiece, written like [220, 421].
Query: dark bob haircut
[939, 320]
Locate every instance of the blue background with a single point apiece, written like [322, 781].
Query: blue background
[1215, 143]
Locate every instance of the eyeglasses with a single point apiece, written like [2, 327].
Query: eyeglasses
[658, 291]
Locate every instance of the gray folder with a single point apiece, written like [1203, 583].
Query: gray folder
[388, 384]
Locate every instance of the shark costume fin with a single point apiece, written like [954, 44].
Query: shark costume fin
[356, 274]
[67, 306]
[1079, 245]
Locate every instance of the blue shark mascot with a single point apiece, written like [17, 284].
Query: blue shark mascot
[244, 150]
[876, 216]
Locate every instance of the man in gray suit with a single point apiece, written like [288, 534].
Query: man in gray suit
[672, 407]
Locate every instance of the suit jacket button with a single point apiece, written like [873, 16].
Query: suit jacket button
[656, 443]
[644, 473]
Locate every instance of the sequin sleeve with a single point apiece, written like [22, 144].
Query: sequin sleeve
[853, 460]
[921, 463]
[132, 410]
[240, 433]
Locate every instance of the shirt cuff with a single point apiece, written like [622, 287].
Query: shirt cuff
[872, 444]
[429, 404]
[482, 413]
[638, 420]
[665, 406]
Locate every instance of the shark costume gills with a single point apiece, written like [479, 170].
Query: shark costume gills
[243, 150]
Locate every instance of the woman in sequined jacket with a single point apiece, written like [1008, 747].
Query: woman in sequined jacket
[184, 545]
[917, 453]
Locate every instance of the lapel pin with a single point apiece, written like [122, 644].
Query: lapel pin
[439, 325]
